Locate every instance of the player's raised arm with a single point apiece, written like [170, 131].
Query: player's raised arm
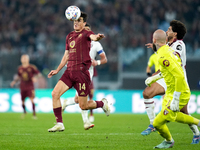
[96, 37]
[149, 45]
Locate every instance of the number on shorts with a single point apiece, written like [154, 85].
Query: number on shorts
[81, 86]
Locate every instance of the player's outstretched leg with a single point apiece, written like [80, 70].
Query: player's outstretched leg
[106, 107]
[148, 130]
[165, 144]
[67, 102]
[58, 127]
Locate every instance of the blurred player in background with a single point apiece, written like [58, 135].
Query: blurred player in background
[175, 35]
[177, 93]
[76, 75]
[26, 74]
[95, 49]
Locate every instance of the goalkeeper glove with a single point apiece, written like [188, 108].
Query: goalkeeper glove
[153, 79]
[174, 106]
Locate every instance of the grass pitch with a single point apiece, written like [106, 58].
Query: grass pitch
[116, 132]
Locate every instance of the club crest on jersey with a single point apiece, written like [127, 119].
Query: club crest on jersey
[165, 112]
[72, 44]
[166, 63]
[179, 47]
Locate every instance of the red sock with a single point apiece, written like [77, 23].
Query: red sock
[99, 104]
[24, 108]
[58, 114]
[91, 112]
[33, 105]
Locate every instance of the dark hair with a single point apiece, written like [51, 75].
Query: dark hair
[84, 15]
[179, 28]
[88, 25]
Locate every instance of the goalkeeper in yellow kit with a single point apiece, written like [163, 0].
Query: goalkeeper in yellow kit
[177, 94]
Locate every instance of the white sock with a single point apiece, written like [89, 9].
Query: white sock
[149, 105]
[70, 101]
[198, 124]
[194, 129]
[84, 114]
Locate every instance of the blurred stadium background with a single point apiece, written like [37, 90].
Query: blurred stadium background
[39, 28]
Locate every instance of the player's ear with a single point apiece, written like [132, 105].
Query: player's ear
[175, 34]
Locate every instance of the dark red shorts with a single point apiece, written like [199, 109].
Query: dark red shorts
[27, 93]
[79, 80]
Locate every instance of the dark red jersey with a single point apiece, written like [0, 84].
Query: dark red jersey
[78, 44]
[26, 74]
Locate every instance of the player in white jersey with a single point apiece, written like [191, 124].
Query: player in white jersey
[175, 34]
[95, 49]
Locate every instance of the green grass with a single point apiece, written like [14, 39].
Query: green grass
[116, 132]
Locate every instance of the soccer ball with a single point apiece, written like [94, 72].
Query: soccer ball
[72, 13]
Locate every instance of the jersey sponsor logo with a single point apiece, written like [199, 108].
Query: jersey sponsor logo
[166, 63]
[179, 47]
[82, 93]
[72, 44]
[165, 112]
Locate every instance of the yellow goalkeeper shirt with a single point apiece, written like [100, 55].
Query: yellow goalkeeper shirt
[172, 72]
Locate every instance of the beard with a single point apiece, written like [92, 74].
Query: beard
[169, 38]
[154, 48]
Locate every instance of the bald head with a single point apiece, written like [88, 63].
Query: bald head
[159, 36]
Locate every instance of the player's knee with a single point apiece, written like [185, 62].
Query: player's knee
[76, 100]
[83, 106]
[54, 95]
[146, 94]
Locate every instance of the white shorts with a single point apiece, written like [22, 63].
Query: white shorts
[162, 83]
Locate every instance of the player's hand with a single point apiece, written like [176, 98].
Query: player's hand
[12, 83]
[99, 36]
[34, 79]
[174, 106]
[149, 45]
[149, 81]
[52, 73]
[153, 79]
[94, 62]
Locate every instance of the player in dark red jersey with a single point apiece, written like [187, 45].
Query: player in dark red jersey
[76, 75]
[25, 75]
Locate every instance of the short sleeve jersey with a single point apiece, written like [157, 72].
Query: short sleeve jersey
[26, 74]
[153, 61]
[170, 67]
[78, 45]
[96, 48]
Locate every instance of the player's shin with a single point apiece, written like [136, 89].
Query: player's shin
[194, 129]
[149, 106]
[84, 114]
